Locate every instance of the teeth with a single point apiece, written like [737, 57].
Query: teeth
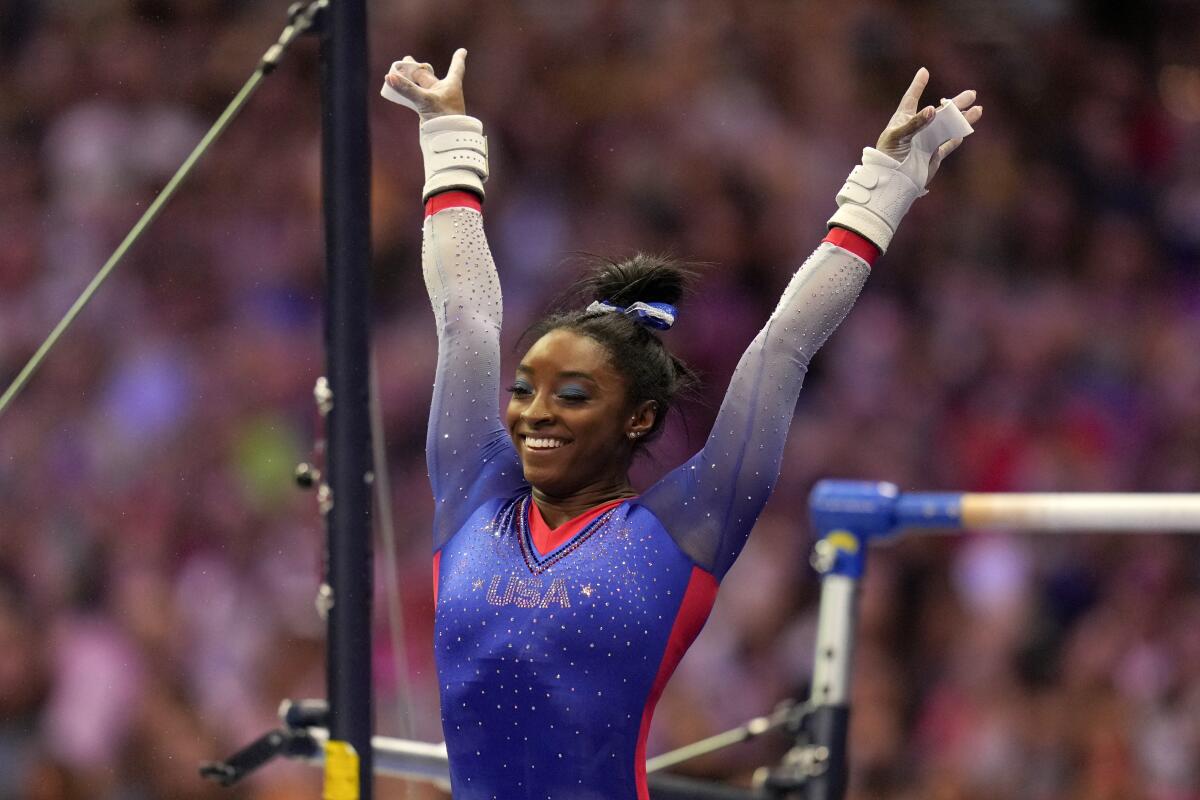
[543, 444]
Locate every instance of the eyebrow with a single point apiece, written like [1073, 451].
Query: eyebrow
[564, 374]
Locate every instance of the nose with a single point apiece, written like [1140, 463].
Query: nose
[537, 412]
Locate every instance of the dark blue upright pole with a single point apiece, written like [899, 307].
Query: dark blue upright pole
[346, 186]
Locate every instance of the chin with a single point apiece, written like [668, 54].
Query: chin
[548, 482]
[538, 478]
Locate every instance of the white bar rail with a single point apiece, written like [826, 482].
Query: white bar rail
[1095, 511]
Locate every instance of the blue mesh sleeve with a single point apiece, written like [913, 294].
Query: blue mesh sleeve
[710, 503]
[469, 454]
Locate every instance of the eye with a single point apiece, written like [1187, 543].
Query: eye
[573, 394]
[520, 389]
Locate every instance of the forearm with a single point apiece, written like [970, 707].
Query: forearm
[464, 290]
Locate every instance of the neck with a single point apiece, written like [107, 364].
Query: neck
[557, 510]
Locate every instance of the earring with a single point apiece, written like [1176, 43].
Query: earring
[635, 434]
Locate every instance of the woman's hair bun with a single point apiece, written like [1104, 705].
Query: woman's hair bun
[645, 277]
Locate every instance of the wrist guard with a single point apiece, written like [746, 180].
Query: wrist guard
[879, 192]
[455, 151]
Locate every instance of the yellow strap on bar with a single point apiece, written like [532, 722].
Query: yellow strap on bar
[341, 771]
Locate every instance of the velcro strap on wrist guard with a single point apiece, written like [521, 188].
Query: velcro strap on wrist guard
[455, 152]
[878, 193]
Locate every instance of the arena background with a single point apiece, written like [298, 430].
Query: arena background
[1036, 326]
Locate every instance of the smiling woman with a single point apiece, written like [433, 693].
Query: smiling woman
[564, 600]
[599, 381]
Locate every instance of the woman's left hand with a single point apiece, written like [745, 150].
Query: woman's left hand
[896, 139]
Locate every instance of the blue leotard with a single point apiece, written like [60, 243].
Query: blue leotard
[550, 663]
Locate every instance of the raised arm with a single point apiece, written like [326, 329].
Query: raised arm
[469, 455]
[711, 502]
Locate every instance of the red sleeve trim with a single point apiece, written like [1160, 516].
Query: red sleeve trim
[455, 198]
[852, 242]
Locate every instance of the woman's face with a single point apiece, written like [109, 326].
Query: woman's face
[570, 416]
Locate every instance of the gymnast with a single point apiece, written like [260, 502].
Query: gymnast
[564, 598]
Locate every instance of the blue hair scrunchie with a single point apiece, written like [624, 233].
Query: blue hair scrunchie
[653, 315]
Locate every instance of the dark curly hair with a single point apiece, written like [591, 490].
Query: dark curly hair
[636, 351]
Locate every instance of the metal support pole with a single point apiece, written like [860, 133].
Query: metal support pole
[829, 721]
[817, 767]
[347, 497]
[846, 520]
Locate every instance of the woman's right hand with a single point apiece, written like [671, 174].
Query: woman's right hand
[431, 97]
[896, 139]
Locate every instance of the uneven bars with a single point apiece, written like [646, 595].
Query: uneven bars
[876, 510]
[847, 516]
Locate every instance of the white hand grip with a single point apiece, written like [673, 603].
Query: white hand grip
[948, 123]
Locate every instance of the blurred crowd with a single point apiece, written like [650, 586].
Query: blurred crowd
[1034, 327]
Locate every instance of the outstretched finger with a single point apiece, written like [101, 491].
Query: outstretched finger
[963, 100]
[948, 148]
[458, 66]
[912, 96]
[973, 114]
